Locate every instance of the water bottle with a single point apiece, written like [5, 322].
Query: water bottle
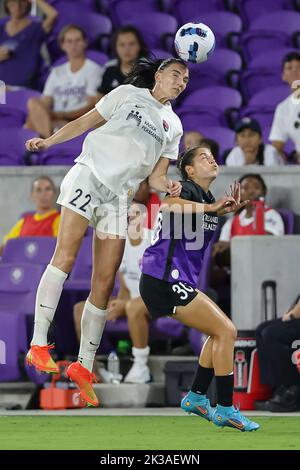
[113, 366]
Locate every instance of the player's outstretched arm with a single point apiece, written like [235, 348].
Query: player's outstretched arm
[68, 132]
[179, 205]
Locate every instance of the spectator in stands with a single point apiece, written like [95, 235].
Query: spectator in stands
[253, 188]
[45, 220]
[286, 121]
[195, 138]
[128, 46]
[128, 301]
[71, 88]
[277, 360]
[192, 139]
[250, 149]
[20, 41]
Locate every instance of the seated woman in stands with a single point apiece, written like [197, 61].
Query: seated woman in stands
[20, 41]
[250, 149]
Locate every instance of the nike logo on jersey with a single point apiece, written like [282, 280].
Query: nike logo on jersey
[138, 106]
[45, 306]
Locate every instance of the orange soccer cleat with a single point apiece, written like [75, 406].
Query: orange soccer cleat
[39, 357]
[84, 379]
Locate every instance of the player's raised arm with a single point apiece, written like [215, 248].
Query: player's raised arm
[179, 205]
[67, 132]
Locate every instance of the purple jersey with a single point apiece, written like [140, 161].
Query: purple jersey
[179, 241]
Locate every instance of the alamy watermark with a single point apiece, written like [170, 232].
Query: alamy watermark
[178, 222]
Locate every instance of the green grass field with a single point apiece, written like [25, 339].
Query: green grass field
[148, 433]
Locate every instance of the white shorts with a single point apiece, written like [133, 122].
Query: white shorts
[83, 193]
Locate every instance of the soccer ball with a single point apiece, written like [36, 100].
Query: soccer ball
[194, 42]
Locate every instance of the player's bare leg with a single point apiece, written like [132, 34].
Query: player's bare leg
[203, 314]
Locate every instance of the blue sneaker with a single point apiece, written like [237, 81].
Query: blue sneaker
[233, 418]
[197, 404]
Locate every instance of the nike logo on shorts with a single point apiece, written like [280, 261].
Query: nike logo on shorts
[45, 306]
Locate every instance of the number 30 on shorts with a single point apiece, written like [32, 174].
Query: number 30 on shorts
[182, 289]
[75, 201]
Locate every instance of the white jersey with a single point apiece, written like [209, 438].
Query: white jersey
[139, 130]
[70, 90]
[132, 262]
[236, 157]
[286, 122]
[273, 224]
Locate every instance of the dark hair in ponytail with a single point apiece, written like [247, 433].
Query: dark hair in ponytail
[186, 158]
[142, 75]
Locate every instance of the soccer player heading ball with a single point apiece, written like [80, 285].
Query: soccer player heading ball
[138, 134]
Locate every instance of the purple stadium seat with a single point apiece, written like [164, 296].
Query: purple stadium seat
[62, 154]
[157, 28]
[254, 80]
[161, 53]
[288, 22]
[270, 96]
[89, 4]
[271, 31]
[250, 9]
[187, 11]
[161, 328]
[288, 217]
[203, 117]
[12, 146]
[196, 339]
[120, 9]
[263, 41]
[218, 102]
[14, 112]
[18, 284]
[226, 26]
[97, 27]
[80, 277]
[223, 136]
[220, 69]
[31, 250]
[270, 59]
[12, 342]
[169, 327]
[262, 105]
[97, 56]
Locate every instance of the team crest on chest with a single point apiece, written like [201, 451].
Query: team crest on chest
[136, 116]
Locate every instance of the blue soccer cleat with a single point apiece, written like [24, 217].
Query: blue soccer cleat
[233, 418]
[197, 404]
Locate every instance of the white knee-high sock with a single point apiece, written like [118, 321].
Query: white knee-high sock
[47, 298]
[92, 325]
